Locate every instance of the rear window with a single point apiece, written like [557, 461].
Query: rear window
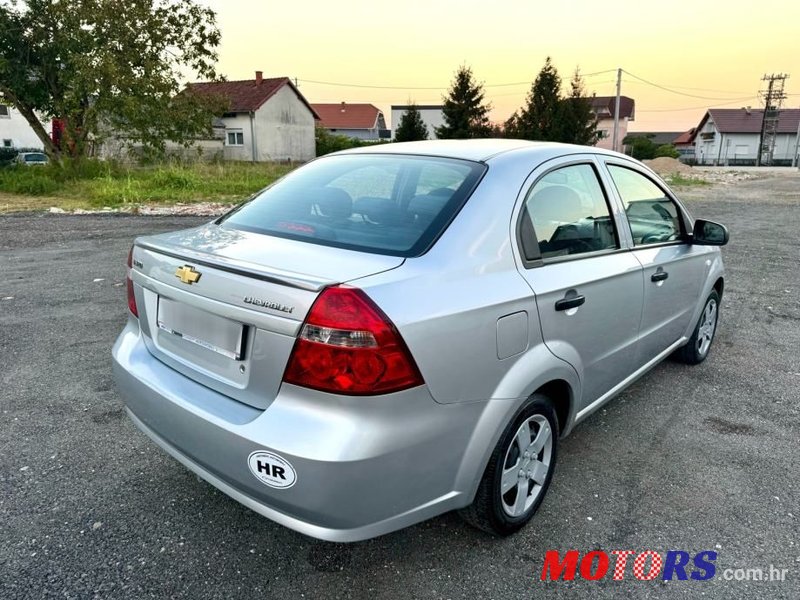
[380, 203]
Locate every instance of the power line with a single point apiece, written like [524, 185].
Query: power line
[411, 87]
[671, 91]
[596, 83]
[737, 101]
[685, 87]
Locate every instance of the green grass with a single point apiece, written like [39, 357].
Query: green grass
[678, 180]
[96, 184]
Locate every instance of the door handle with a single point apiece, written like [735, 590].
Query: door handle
[570, 302]
[659, 276]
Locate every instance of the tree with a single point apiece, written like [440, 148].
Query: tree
[465, 113]
[578, 124]
[549, 116]
[641, 146]
[103, 66]
[411, 127]
[539, 118]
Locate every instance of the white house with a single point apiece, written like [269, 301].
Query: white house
[731, 136]
[431, 114]
[266, 119]
[360, 121]
[15, 132]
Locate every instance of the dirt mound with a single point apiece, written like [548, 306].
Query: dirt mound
[667, 166]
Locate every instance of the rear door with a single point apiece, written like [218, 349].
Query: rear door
[674, 269]
[587, 285]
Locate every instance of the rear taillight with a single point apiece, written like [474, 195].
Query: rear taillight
[348, 346]
[129, 282]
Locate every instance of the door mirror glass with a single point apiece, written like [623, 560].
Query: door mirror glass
[709, 233]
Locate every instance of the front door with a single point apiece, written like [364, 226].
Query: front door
[674, 269]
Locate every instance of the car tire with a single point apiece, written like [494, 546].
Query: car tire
[699, 345]
[498, 508]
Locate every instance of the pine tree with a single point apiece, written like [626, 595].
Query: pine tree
[549, 116]
[511, 128]
[578, 123]
[465, 113]
[539, 118]
[411, 127]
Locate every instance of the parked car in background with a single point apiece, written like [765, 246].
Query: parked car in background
[31, 159]
[393, 332]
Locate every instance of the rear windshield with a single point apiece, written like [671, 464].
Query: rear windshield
[35, 157]
[380, 203]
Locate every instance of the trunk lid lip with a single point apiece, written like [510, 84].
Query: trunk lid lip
[244, 268]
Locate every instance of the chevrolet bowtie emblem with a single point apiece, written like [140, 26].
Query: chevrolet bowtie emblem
[187, 274]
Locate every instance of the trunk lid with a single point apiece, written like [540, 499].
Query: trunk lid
[224, 306]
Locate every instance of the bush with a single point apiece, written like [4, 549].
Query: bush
[7, 154]
[327, 142]
[667, 150]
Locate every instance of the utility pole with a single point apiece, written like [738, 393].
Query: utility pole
[773, 100]
[615, 138]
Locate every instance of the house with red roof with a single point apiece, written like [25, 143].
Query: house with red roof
[684, 144]
[731, 136]
[360, 121]
[266, 119]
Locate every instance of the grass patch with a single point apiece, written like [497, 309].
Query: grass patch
[96, 184]
[679, 180]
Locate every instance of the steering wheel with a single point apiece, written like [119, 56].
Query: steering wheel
[663, 212]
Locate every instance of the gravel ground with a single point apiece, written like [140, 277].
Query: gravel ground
[690, 458]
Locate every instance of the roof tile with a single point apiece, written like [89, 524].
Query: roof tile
[246, 95]
[741, 120]
[342, 115]
[606, 104]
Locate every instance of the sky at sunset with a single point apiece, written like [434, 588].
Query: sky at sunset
[706, 52]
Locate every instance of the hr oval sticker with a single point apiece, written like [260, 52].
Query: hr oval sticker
[272, 470]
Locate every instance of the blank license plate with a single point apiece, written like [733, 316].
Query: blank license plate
[202, 328]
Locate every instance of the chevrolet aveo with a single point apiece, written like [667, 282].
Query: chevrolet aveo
[394, 332]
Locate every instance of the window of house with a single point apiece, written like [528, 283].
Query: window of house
[4, 110]
[7, 143]
[235, 137]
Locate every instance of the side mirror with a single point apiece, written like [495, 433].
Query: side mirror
[709, 233]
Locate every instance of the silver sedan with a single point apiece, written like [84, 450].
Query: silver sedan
[394, 332]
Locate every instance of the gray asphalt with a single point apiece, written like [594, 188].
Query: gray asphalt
[690, 458]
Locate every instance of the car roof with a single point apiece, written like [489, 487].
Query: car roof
[480, 150]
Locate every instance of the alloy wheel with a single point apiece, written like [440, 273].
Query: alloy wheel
[526, 465]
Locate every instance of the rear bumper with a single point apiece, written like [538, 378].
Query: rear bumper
[365, 465]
